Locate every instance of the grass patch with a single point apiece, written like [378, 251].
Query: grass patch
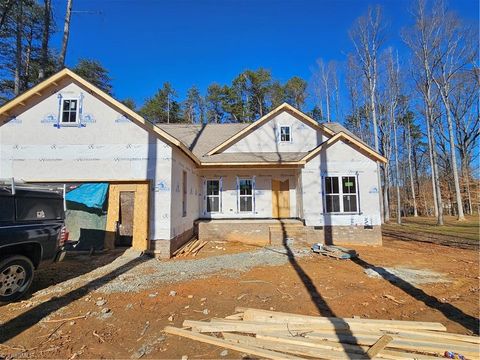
[468, 229]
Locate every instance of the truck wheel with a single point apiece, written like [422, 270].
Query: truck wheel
[16, 275]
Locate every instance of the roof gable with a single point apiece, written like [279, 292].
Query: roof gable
[266, 118]
[53, 81]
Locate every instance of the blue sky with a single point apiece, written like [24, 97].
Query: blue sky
[144, 43]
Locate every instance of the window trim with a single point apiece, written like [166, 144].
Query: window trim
[77, 115]
[219, 196]
[280, 134]
[251, 196]
[341, 194]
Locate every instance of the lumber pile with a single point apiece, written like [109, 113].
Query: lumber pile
[277, 335]
[191, 247]
[337, 252]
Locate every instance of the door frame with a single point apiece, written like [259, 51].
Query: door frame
[140, 213]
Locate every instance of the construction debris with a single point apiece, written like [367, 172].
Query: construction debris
[337, 252]
[191, 247]
[277, 335]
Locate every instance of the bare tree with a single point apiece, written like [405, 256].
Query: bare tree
[367, 36]
[408, 135]
[393, 94]
[422, 40]
[18, 48]
[45, 37]
[451, 55]
[465, 111]
[7, 6]
[324, 76]
[66, 33]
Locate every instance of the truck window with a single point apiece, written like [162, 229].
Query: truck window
[6, 208]
[37, 208]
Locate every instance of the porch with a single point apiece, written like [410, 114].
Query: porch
[253, 231]
[250, 194]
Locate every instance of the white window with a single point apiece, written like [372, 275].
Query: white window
[213, 196]
[184, 195]
[285, 134]
[341, 194]
[69, 111]
[245, 195]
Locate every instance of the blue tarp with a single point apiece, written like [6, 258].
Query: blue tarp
[91, 195]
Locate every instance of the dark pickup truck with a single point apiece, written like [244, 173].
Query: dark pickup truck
[32, 233]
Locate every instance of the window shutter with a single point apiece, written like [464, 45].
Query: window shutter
[204, 196]
[80, 110]
[253, 193]
[59, 118]
[220, 183]
[238, 195]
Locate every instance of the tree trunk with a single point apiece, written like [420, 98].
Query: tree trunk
[45, 38]
[453, 158]
[412, 186]
[375, 140]
[466, 179]
[385, 197]
[397, 171]
[18, 49]
[66, 32]
[437, 182]
[431, 152]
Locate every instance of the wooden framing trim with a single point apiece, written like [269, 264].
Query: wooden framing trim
[254, 164]
[55, 79]
[341, 135]
[284, 107]
[111, 181]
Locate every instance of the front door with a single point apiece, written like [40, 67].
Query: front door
[280, 199]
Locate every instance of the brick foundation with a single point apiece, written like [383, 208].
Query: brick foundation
[265, 232]
[258, 232]
[344, 235]
[165, 248]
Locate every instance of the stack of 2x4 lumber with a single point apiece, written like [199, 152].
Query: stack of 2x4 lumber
[276, 335]
[190, 247]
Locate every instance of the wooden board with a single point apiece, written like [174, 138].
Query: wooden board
[268, 354]
[379, 345]
[432, 346]
[280, 317]
[140, 217]
[219, 325]
[331, 345]
[280, 199]
[140, 214]
[294, 349]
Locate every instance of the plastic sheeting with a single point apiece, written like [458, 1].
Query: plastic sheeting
[90, 195]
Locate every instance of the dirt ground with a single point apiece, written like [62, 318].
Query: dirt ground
[129, 324]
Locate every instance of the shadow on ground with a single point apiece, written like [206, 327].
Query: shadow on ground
[449, 311]
[24, 321]
[74, 265]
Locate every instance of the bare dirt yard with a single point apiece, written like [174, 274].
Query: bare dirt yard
[116, 304]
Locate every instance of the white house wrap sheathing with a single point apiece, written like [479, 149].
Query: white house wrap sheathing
[340, 159]
[105, 147]
[264, 139]
[262, 201]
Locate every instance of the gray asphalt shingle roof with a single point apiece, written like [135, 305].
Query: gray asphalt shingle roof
[200, 139]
